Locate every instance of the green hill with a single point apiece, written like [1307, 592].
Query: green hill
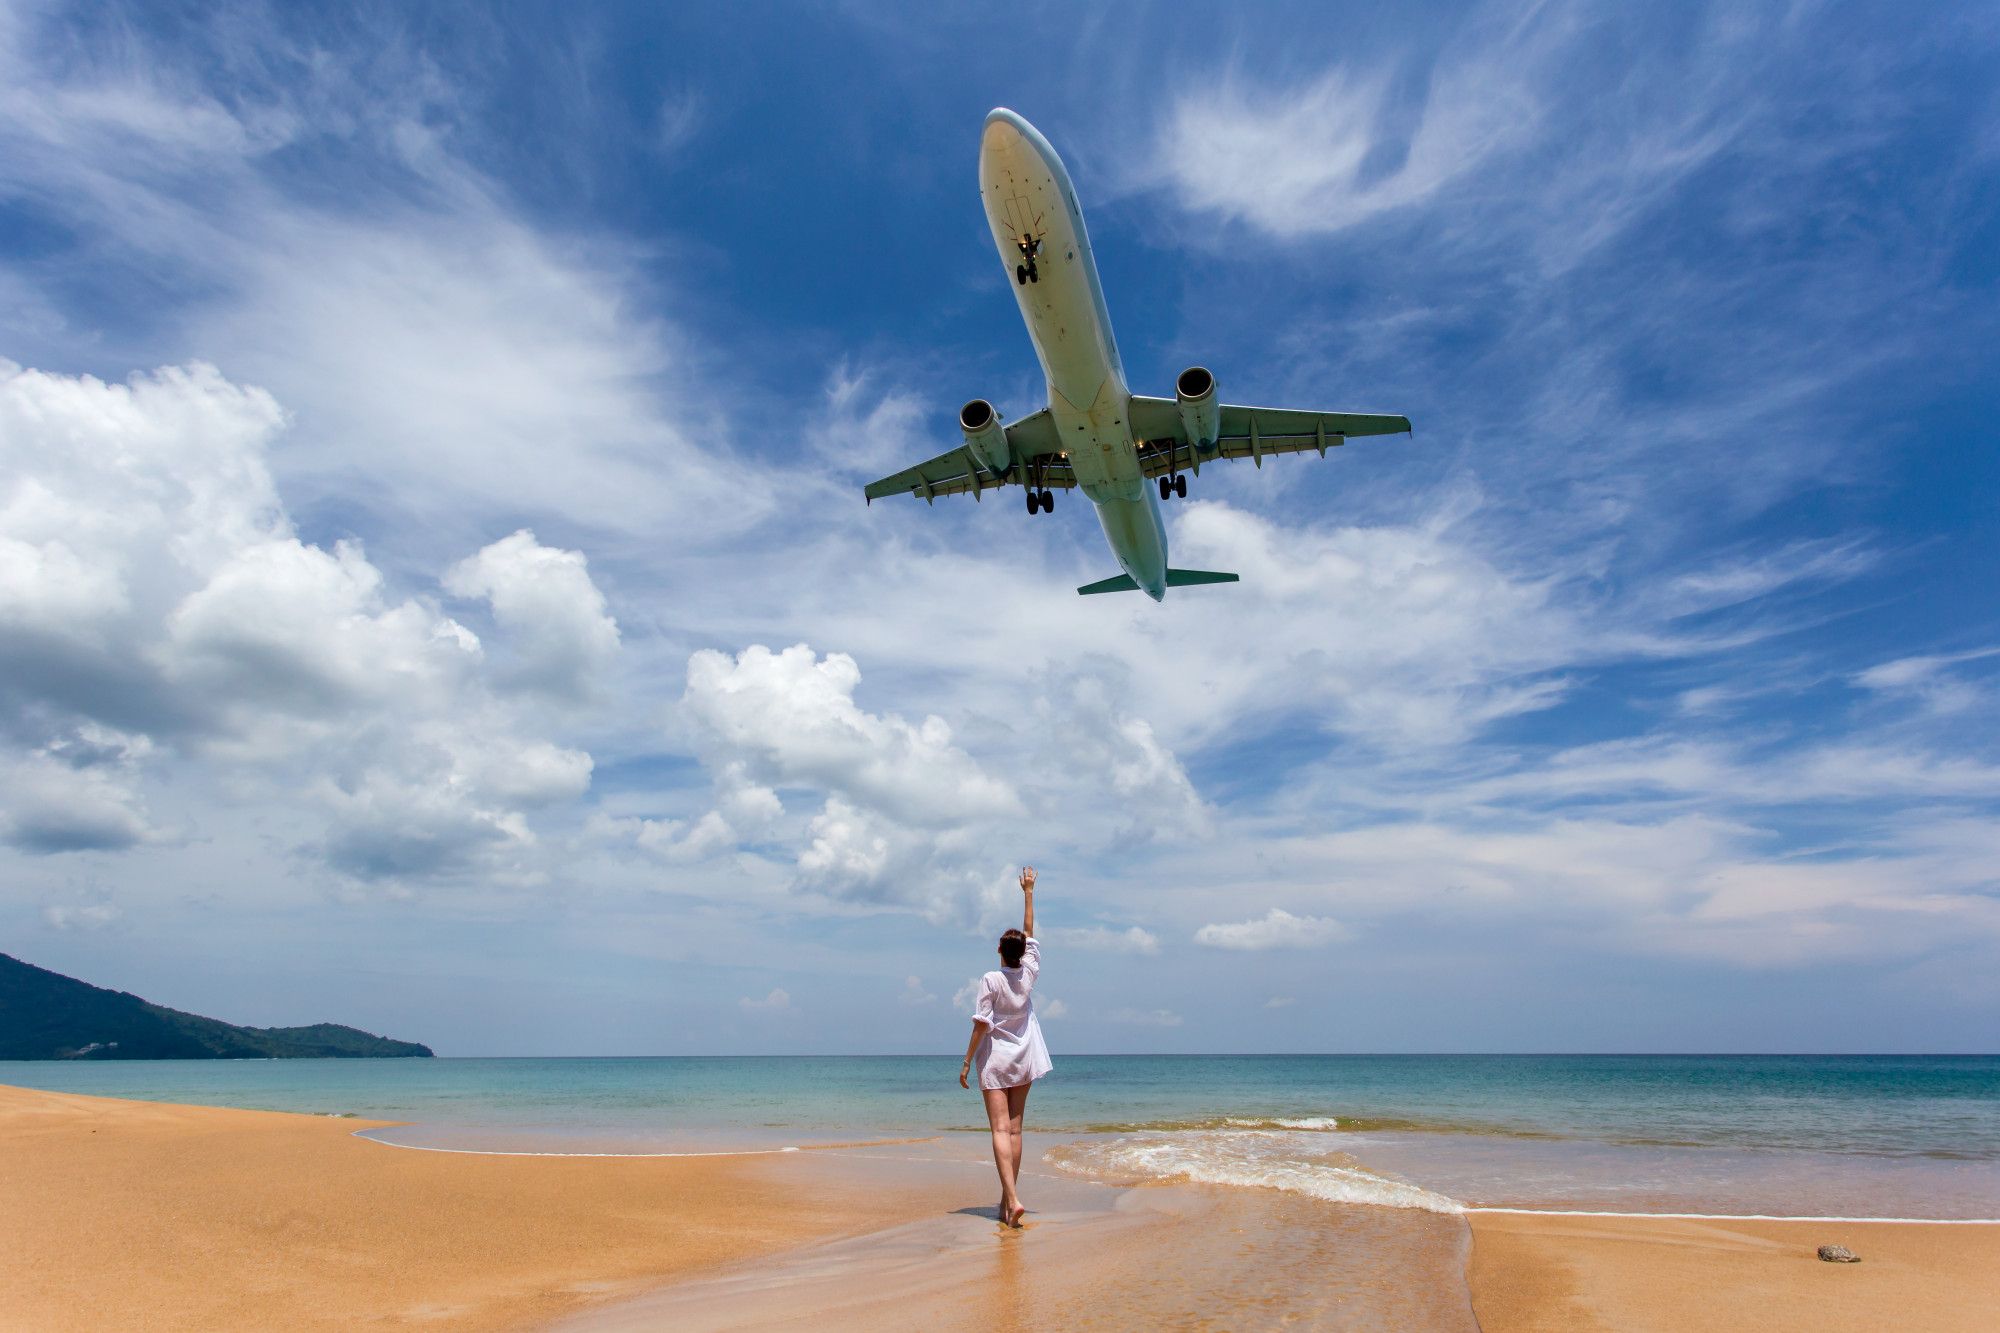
[47, 1016]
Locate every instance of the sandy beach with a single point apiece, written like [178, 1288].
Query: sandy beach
[1556, 1274]
[146, 1215]
[123, 1214]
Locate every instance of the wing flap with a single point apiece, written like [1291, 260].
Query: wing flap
[1280, 423]
[1247, 432]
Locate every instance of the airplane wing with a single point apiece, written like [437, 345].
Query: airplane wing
[959, 472]
[1248, 432]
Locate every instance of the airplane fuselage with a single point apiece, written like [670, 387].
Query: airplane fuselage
[1038, 227]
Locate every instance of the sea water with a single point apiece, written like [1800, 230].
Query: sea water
[1864, 1136]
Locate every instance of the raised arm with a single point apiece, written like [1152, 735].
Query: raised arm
[1028, 901]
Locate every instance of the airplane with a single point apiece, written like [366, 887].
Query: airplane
[1095, 433]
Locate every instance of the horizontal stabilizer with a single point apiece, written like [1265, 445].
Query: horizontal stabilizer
[1176, 578]
[1183, 578]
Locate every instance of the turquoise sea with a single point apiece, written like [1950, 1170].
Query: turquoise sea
[1873, 1136]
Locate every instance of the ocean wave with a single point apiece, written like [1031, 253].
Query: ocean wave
[1315, 1124]
[1291, 1160]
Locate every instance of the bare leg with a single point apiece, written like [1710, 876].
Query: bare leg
[1003, 1148]
[1017, 1112]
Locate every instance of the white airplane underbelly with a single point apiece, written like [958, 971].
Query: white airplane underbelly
[1030, 207]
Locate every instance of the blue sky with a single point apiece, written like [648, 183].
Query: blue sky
[435, 592]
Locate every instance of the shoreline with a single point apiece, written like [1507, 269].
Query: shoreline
[122, 1213]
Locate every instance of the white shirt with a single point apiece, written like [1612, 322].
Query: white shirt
[1012, 1052]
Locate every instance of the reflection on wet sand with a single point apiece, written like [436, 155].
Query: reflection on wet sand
[1095, 1256]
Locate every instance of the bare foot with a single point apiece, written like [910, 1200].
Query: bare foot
[1020, 1211]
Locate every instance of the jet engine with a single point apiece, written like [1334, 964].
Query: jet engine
[1201, 414]
[986, 436]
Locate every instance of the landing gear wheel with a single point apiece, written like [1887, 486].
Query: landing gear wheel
[1180, 486]
[1034, 501]
[1048, 502]
[1020, 275]
[1166, 487]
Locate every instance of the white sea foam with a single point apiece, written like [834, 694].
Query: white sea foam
[1289, 1161]
[1305, 1122]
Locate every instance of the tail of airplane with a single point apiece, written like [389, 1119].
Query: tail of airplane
[1176, 578]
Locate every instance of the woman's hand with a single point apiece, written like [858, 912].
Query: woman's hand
[964, 1070]
[1027, 879]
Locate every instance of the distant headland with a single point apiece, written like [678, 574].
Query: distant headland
[47, 1016]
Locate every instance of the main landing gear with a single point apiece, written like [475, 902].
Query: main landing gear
[1173, 485]
[1025, 273]
[1043, 501]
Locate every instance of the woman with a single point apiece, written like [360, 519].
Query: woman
[1007, 1046]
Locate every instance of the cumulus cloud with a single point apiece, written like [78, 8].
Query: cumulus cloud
[76, 793]
[902, 807]
[913, 992]
[777, 1002]
[790, 719]
[1132, 939]
[83, 916]
[555, 618]
[159, 607]
[1276, 929]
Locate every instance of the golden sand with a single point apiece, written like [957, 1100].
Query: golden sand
[120, 1214]
[1556, 1274]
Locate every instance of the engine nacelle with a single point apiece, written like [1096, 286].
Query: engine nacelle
[986, 436]
[1201, 414]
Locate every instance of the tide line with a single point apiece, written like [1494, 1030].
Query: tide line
[502, 1152]
[1742, 1217]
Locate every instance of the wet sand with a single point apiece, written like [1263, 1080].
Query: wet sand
[1557, 1274]
[117, 1214]
[1095, 1257]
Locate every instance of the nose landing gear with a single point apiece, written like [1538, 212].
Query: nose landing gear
[1026, 273]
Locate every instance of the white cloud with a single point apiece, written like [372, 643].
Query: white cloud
[162, 613]
[1276, 929]
[444, 358]
[1153, 1018]
[913, 992]
[76, 793]
[777, 1002]
[1132, 939]
[1928, 680]
[554, 615]
[86, 916]
[790, 719]
[866, 433]
[905, 812]
[1280, 1002]
[1051, 1008]
[1297, 156]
